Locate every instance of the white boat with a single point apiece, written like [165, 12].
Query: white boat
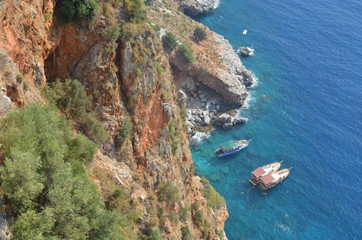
[264, 170]
[270, 180]
[245, 31]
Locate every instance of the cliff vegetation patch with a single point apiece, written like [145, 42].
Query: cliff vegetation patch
[71, 98]
[44, 180]
[73, 10]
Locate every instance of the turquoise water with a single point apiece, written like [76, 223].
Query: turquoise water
[305, 110]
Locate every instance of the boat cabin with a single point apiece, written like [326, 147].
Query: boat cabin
[228, 146]
[267, 180]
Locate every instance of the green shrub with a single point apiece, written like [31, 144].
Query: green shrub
[167, 192]
[125, 131]
[199, 34]
[185, 53]
[214, 199]
[49, 197]
[47, 16]
[184, 214]
[172, 129]
[185, 233]
[71, 98]
[73, 10]
[169, 41]
[197, 216]
[135, 10]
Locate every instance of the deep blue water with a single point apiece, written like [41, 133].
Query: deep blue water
[306, 110]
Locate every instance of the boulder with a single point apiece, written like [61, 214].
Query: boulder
[207, 120]
[223, 118]
[240, 120]
[227, 126]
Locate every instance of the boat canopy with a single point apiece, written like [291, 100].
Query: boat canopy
[228, 145]
[267, 179]
[257, 173]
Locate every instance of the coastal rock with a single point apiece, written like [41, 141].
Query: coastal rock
[197, 7]
[223, 118]
[207, 120]
[240, 120]
[246, 51]
[227, 126]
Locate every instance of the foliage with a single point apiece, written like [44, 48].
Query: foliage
[73, 10]
[185, 233]
[135, 10]
[159, 68]
[47, 16]
[197, 216]
[172, 128]
[184, 214]
[167, 192]
[169, 41]
[125, 131]
[214, 199]
[185, 53]
[199, 34]
[71, 98]
[45, 184]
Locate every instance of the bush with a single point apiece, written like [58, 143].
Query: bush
[167, 192]
[200, 34]
[73, 10]
[185, 233]
[71, 98]
[184, 214]
[169, 41]
[214, 199]
[172, 128]
[197, 216]
[185, 53]
[47, 193]
[135, 10]
[125, 130]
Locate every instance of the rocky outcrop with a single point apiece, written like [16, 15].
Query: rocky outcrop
[197, 7]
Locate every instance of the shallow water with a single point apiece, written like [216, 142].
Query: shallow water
[305, 110]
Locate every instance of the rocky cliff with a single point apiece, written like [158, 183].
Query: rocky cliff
[133, 82]
[197, 7]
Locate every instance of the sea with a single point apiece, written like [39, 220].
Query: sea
[305, 109]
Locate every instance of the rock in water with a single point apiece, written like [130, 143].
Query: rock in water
[246, 51]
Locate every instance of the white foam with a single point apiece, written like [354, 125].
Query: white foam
[216, 4]
[198, 137]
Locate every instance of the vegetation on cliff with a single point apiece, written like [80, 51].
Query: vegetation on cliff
[199, 34]
[73, 10]
[45, 182]
[71, 98]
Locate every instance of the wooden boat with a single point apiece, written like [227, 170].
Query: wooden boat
[231, 147]
[270, 180]
[261, 171]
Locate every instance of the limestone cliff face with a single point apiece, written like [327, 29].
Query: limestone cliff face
[36, 50]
